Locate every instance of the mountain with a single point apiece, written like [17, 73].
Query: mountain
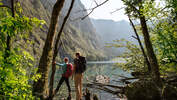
[87, 36]
[110, 30]
[78, 35]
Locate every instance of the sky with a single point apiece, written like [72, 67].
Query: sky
[104, 11]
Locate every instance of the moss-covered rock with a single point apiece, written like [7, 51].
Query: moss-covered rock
[148, 90]
[142, 90]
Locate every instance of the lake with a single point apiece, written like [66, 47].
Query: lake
[109, 69]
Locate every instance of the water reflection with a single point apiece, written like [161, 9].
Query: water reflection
[108, 69]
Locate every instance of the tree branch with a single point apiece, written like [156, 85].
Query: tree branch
[140, 44]
[105, 88]
[87, 15]
[134, 8]
[134, 37]
[5, 6]
[96, 2]
[92, 9]
[117, 10]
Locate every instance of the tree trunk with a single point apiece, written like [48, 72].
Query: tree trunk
[57, 49]
[41, 86]
[8, 42]
[150, 52]
[141, 46]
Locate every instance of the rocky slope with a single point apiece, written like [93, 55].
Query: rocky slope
[78, 35]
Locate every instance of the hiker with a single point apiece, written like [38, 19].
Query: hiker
[67, 72]
[79, 69]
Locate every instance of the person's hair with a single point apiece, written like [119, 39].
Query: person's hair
[66, 59]
[77, 54]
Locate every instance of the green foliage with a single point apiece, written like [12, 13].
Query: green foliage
[17, 72]
[151, 9]
[162, 26]
[172, 6]
[133, 56]
[19, 24]
[15, 75]
[165, 43]
[131, 7]
[164, 36]
[147, 8]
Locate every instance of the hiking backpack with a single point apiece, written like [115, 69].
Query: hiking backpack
[81, 65]
[69, 70]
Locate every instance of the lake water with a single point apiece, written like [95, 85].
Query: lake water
[109, 69]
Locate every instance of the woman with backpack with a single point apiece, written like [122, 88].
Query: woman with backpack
[67, 72]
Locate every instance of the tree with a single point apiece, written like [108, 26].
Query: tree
[41, 86]
[137, 9]
[57, 46]
[140, 44]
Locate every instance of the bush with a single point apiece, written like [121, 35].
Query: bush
[15, 76]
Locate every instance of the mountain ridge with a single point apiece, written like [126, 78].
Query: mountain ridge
[110, 30]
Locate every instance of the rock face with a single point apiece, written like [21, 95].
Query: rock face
[78, 35]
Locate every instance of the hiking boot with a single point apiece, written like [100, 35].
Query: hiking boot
[54, 92]
[69, 97]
